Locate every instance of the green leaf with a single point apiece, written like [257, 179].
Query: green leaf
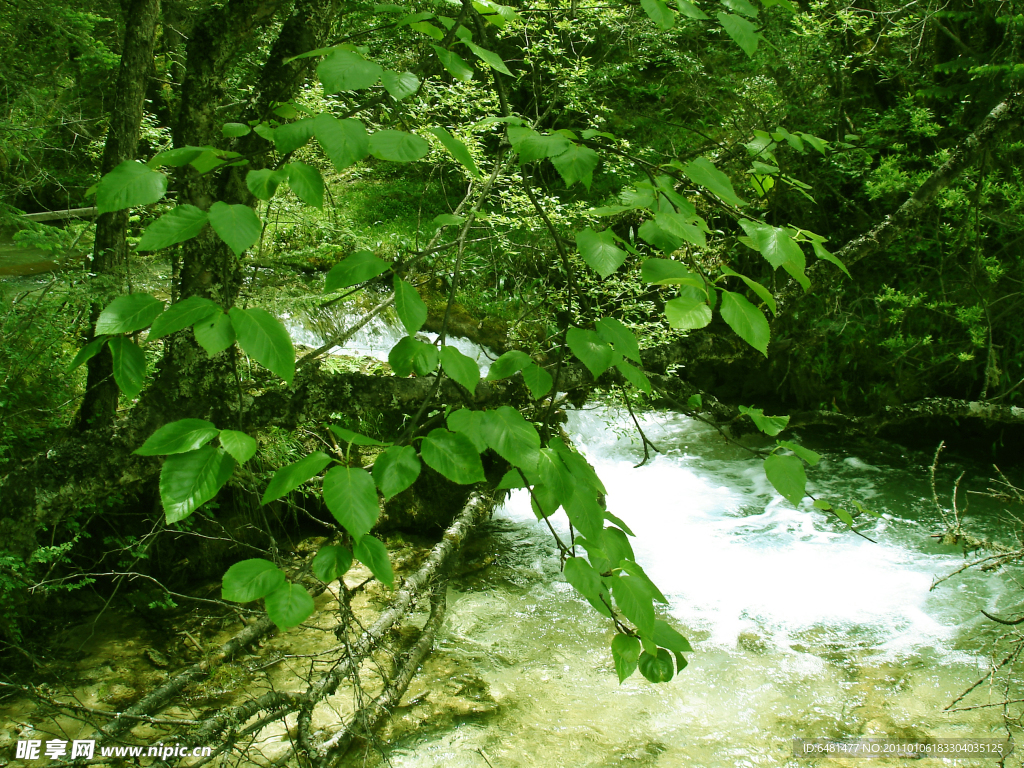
[741, 6]
[87, 352]
[469, 423]
[250, 580]
[553, 474]
[591, 350]
[659, 13]
[264, 338]
[447, 220]
[175, 158]
[822, 253]
[396, 469]
[306, 182]
[178, 437]
[703, 172]
[455, 64]
[348, 436]
[661, 239]
[762, 293]
[576, 164]
[411, 309]
[617, 334]
[633, 600]
[625, 653]
[453, 455]
[129, 313]
[129, 366]
[668, 272]
[176, 226]
[332, 562]
[584, 511]
[351, 495]
[587, 582]
[347, 71]
[746, 320]
[355, 268]
[774, 243]
[234, 130]
[410, 355]
[787, 474]
[511, 479]
[236, 225]
[264, 131]
[264, 183]
[344, 141]
[238, 444]
[657, 669]
[681, 227]
[811, 457]
[695, 401]
[128, 185]
[687, 313]
[291, 136]
[457, 149]
[634, 569]
[634, 376]
[616, 545]
[538, 380]
[598, 249]
[531, 145]
[400, 86]
[373, 554]
[822, 504]
[397, 146]
[666, 637]
[289, 605]
[690, 10]
[743, 33]
[428, 29]
[508, 364]
[215, 333]
[512, 437]
[493, 59]
[291, 476]
[770, 425]
[459, 367]
[189, 480]
[843, 515]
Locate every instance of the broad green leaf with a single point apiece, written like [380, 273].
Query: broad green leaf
[822, 253]
[455, 64]
[289, 605]
[211, 159]
[774, 243]
[843, 515]
[214, 333]
[453, 455]
[615, 544]
[746, 320]
[344, 141]
[690, 10]
[264, 183]
[428, 29]
[659, 13]
[264, 131]
[553, 474]
[291, 136]
[189, 480]
[578, 465]
[493, 59]
[587, 582]
[762, 293]
[306, 182]
[129, 366]
[741, 6]
[236, 225]
[176, 226]
[178, 437]
[576, 164]
[355, 268]
[373, 554]
[175, 158]
[332, 562]
[508, 364]
[743, 33]
[591, 350]
[86, 353]
[234, 130]
[822, 504]
[351, 495]
[457, 149]
[250, 580]
[411, 309]
[598, 249]
[635, 603]
[635, 376]
[462, 369]
[396, 469]
[397, 146]
[128, 185]
[811, 457]
[657, 669]
[634, 569]
[348, 436]
[531, 145]
[695, 401]
[668, 272]
[679, 226]
[666, 637]
[469, 423]
[617, 334]
[129, 313]
[538, 380]
[400, 86]
[687, 313]
[512, 437]
[264, 338]
[660, 238]
[625, 654]
[291, 476]
[787, 474]
[238, 444]
[448, 220]
[410, 355]
[770, 425]
[543, 500]
[511, 479]
[347, 71]
[584, 511]
[819, 144]
[703, 172]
